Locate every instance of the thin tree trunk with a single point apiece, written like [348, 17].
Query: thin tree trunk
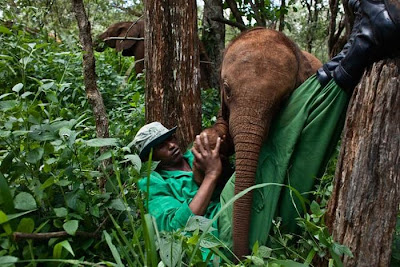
[363, 208]
[89, 76]
[282, 16]
[213, 38]
[172, 67]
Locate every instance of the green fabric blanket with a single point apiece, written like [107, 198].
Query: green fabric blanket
[300, 143]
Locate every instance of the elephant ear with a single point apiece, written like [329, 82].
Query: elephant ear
[224, 111]
[130, 30]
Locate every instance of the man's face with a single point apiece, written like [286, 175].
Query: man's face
[168, 153]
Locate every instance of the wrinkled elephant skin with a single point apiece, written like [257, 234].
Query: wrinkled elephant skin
[260, 68]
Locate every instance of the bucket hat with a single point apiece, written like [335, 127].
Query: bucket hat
[151, 135]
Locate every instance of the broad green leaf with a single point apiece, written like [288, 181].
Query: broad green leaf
[209, 241]
[17, 87]
[199, 222]
[113, 249]
[26, 225]
[24, 201]
[52, 97]
[289, 263]
[71, 226]
[264, 251]
[61, 212]
[5, 30]
[47, 86]
[341, 249]
[35, 155]
[315, 209]
[99, 142]
[8, 104]
[26, 94]
[6, 261]
[95, 211]
[4, 134]
[170, 251]
[5, 95]
[3, 222]
[43, 135]
[47, 183]
[105, 155]
[257, 261]
[135, 160]
[58, 249]
[117, 204]
[6, 201]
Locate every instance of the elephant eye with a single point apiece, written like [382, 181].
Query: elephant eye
[227, 91]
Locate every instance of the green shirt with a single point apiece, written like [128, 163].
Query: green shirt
[170, 194]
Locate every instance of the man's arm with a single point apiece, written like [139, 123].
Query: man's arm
[209, 161]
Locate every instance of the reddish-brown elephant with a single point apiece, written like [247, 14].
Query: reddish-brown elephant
[128, 47]
[260, 68]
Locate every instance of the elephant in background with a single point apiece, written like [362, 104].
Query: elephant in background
[127, 47]
[260, 69]
[136, 47]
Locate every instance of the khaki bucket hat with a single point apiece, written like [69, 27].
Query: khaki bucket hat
[151, 135]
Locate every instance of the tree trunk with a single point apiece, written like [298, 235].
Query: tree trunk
[213, 39]
[363, 208]
[172, 67]
[89, 77]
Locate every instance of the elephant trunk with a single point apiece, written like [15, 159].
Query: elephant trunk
[248, 136]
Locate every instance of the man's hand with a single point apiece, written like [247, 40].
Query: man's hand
[207, 159]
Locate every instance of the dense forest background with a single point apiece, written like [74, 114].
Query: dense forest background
[53, 209]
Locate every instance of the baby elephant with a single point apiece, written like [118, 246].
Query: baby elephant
[220, 129]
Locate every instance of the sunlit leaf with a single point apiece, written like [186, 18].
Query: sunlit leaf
[5, 30]
[58, 249]
[61, 212]
[135, 160]
[24, 201]
[6, 261]
[71, 226]
[17, 87]
[99, 142]
[8, 104]
[26, 225]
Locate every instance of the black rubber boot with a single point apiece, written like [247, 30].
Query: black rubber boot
[325, 73]
[377, 38]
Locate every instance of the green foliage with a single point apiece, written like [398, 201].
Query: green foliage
[50, 160]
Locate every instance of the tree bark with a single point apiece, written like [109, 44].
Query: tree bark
[89, 77]
[363, 207]
[172, 67]
[213, 38]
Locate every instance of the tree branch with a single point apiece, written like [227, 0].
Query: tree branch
[235, 12]
[257, 16]
[241, 27]
[89, 75]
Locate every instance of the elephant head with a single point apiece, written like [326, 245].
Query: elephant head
[128, 47]
[260, 68]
